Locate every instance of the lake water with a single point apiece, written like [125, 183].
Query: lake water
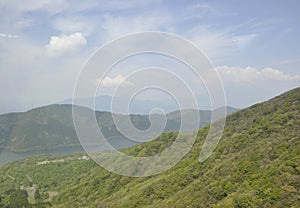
[7, 156]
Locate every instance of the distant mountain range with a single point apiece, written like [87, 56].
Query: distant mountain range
[51, 127]
[137, 106]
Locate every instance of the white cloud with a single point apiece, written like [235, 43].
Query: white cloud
[254, 75]
[114, 82]
[65, 43]
[4, 35]
[212, 42]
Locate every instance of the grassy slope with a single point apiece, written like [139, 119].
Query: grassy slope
[256, 164]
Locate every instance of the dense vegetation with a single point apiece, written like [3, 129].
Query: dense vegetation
[52, 127]
[256, 164]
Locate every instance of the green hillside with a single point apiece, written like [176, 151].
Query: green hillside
[52, 127]
[256, 164]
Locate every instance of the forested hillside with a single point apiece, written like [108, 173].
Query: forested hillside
[51, 127]
[256, 164]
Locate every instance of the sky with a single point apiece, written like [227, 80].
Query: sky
[254, 45]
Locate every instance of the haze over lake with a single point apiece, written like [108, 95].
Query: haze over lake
[7, 156]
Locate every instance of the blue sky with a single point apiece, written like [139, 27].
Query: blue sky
[43, 44]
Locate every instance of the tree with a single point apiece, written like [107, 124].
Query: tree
[37, 194]
[18, 199]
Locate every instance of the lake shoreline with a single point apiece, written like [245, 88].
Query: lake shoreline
[7, 155]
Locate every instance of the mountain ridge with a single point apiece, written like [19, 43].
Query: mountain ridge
[50, 127]
[137, 106]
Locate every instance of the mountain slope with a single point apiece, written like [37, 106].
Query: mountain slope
[256, 164]
[52, 127]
